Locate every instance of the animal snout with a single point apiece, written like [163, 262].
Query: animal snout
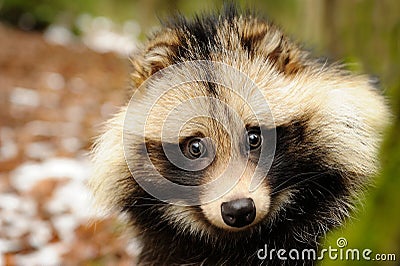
[238, 213]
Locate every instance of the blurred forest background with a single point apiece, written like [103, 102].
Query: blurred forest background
[91, 81]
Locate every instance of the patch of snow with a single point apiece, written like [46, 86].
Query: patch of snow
[40, 233]
[14, 225]
[65, 226]
[83, 21]
[28, 174]
[16, 215]
[8, 148]
[102, 23]
[9, 202]
[40, 150]
[7, 245]
[40, 128]
[28, 206]
[103, 35]
[77, 84]
[131, 27]
[71, 144]
[74, 197]
[48, 255]
[55, 81]
[57, 34]
[24, 97]
[100, 34]
[103, 41]
[52, 129]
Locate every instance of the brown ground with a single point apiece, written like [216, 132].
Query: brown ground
[66, 93]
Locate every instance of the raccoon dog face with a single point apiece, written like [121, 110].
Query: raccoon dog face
[234, 138]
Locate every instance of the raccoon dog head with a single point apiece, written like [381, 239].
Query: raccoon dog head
[233, 130]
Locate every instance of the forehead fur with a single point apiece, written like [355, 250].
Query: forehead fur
[187, 111]
[294, 84]
[207, 37]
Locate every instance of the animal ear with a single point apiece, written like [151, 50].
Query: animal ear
[144, 66]
[286, 57]
[266, 39]
[156, 55]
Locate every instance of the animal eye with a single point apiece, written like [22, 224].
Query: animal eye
[254, 139]
[196, 148]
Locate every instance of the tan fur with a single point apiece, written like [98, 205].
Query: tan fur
[344, 109]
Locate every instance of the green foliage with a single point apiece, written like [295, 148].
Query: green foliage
[41, 13]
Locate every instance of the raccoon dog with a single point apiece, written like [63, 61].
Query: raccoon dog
[235, 142]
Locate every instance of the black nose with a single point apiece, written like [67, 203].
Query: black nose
[238, 213]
